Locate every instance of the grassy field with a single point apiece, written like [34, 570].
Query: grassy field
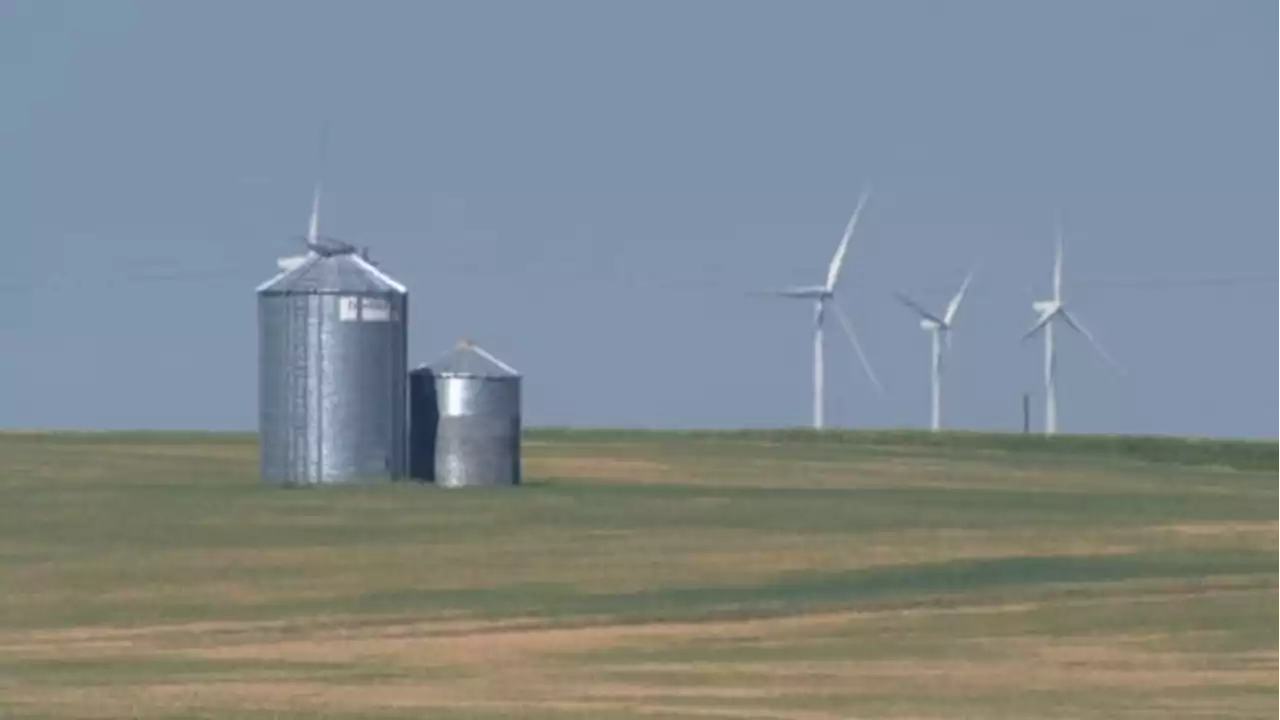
[646, 575]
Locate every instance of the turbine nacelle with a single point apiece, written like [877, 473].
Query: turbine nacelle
[289, 263]
[809, 292]
[927, 324]
[1046, 307]
[328, 247]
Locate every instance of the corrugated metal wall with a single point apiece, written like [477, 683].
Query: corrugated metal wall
[466, 422]
[332, 376]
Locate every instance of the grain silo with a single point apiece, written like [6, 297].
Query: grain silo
[465, 420]
[333, 356]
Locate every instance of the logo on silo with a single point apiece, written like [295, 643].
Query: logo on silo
[349, 309]
[353, 308]
[375, 309]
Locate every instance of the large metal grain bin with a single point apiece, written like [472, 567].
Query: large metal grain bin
[465, 420]
[333, 357]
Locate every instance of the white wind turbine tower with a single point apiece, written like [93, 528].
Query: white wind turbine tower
[1050, 310]
[938, 327]
[822, 295]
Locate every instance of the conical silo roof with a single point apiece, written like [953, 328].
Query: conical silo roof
[467, 359]
[346, 272]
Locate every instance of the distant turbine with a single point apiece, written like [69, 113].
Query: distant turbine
[938, 327]
[313, 241]
[821, 295]
[1049, 311]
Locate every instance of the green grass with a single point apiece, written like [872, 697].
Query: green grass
[1230, 453]
[782, 574]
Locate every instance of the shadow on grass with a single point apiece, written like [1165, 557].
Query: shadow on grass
[920, 584]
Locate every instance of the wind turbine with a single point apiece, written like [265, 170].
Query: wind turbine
[938, 327]
[1050, 310]
[822, 296]
[313, 241]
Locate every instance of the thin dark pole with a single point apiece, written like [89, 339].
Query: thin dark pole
[1026, 412]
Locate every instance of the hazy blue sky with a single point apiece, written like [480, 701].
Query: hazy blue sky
[591, 190]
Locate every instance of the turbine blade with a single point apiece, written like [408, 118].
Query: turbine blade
[857, 347]
[917, 307]
[1076, 325]
[837, 262]
[313, 227]
[954, 305]
[1057, 264]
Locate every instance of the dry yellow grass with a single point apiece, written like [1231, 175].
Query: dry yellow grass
[156, 579]
[522, 665]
